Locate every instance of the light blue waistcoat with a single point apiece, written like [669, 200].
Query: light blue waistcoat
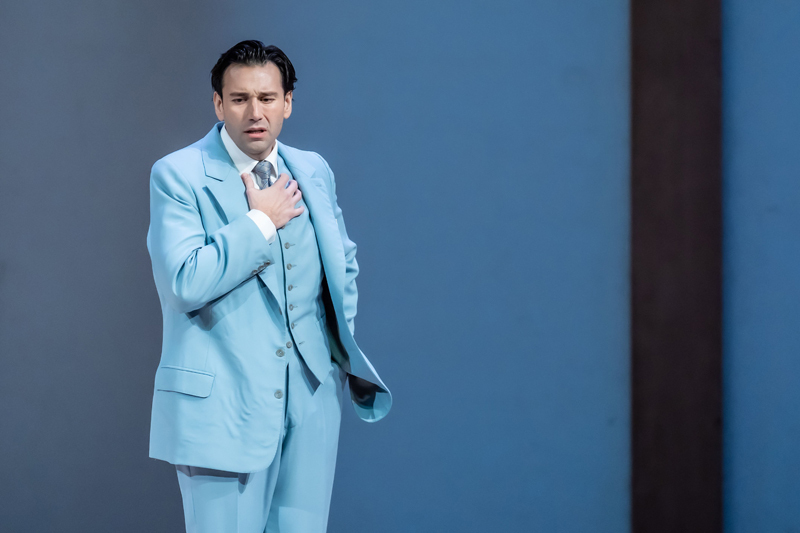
[301, 279]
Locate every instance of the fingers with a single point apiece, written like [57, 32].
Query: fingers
[248, 183]
[282, 179]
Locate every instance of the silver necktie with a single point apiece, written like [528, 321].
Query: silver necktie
[263, 171]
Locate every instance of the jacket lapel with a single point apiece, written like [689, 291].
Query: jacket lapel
[224, 184]
[227, 189]
[320, 210]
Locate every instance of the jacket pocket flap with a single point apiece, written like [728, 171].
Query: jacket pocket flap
[184, 380]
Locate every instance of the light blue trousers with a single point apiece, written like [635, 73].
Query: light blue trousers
[293, 495]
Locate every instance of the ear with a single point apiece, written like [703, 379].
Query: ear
[218, 106]
[287, 105]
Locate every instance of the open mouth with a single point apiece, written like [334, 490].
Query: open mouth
[256, 132]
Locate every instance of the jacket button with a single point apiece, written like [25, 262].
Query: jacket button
[286, 245]
[289, 266]
[280, 352]
[279, 394]
[289, 344]
[291, 307]
[293, 325]
[290, 287]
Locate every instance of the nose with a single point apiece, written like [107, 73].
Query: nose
[254, 109]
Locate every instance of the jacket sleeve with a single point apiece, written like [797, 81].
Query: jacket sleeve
[191, 268]
[351, 268]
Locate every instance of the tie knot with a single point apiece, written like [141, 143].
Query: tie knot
[263, 170]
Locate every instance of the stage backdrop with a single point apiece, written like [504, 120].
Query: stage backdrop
[762, 256]
[481, 156]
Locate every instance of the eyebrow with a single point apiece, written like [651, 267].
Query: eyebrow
[273, 93]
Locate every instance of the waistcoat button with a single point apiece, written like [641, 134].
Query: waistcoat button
[279, 353]
[289, 344]
[279, 394]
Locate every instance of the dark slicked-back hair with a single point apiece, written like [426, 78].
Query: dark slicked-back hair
[254, 53]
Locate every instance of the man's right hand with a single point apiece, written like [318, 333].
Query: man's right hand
[277, 202]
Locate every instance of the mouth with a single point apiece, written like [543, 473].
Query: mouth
[255, 133]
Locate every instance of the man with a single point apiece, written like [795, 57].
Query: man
[256, 278]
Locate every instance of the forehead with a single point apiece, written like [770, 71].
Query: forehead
[252, 78]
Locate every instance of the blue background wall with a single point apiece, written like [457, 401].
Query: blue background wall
[762, 288]
[481, 154]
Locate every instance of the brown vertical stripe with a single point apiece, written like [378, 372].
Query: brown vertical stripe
[676, 266]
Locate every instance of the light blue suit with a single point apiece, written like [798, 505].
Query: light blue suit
[214, 404]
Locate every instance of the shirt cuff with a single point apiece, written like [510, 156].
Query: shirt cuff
[264, 224]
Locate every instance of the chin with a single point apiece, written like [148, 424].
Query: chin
[263, 146]
[255, 146]
[258, 151]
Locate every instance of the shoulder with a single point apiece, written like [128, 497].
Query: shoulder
[313, 159]
[185, 165]
[185, 157]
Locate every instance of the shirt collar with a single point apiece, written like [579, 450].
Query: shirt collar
[242, 161]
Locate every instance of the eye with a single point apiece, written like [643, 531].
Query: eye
[237, 100]
[268, 99]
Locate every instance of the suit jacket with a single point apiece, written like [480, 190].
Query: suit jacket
[214, 403]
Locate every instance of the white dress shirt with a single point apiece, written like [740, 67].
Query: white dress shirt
[245, 163]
